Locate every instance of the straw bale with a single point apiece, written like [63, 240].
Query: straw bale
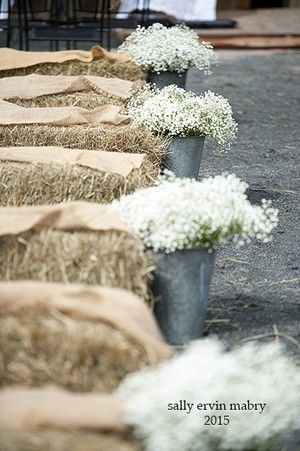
[126, 70]
[80, 338]
[78, 355]
[88, 99]
[112, 258]
[36, 183]
[112, 138]
[57, 440]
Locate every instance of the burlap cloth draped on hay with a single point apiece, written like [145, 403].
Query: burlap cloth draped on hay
[11, 114]
[49, 175]
[66, 440]
[15, 59]
[17, 129]
[118, 163]
[74, 242]
[34, 85]
[97, 61]
[24, 409]
[79, 337]
[66, 216]
[118, 308]
[106, 137]
[54, 420]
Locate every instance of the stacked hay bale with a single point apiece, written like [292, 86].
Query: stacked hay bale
[33, 172]
[65, 315]
[74, 112]
[97, 62]
[31, 115]
[45, 174]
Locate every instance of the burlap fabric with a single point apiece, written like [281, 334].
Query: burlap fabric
[15, 59]
[11, 114]
[118, 308]
[115, 162]
[34, 85]
[65, 216]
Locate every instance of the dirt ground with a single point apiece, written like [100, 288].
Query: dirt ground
[256, 288]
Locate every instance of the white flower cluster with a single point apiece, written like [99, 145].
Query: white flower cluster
[172, 111]
[174, 49]
[186, 214]
[204, 373]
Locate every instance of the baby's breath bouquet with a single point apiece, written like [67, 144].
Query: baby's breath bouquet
[174, 49]
[205, 373]
[186, 214]
[172, 111]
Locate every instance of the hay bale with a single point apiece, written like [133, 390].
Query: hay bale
[127, 70]
[112, 138]
[55, 440]
[83, 99]
[71, 243]
[33, 182]
[77, 355]
[81, 338]
[108, 258]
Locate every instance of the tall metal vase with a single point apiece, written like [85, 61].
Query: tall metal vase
[183, 156]
[167, 78]
[182, 281]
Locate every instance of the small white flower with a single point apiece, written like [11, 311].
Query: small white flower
[204, 373]
[172, 111]
[186, 214]
[159, 49]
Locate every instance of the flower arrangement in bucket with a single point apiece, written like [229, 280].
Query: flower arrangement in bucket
[166, 53]
[186, 119]
[251, 391]
[183, 221]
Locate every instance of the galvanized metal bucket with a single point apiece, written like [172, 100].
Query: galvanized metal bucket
[182, 281]
[183, 156]
[167, 78]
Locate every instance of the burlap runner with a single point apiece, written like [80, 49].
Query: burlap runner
[50, 407]
[16, 59]
[115, 162]
[119, 308]
[34, 85]
[65, 216]
[11, 114]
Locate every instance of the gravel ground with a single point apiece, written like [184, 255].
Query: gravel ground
[256, 288]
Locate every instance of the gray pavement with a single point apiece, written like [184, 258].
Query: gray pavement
[256, 288]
